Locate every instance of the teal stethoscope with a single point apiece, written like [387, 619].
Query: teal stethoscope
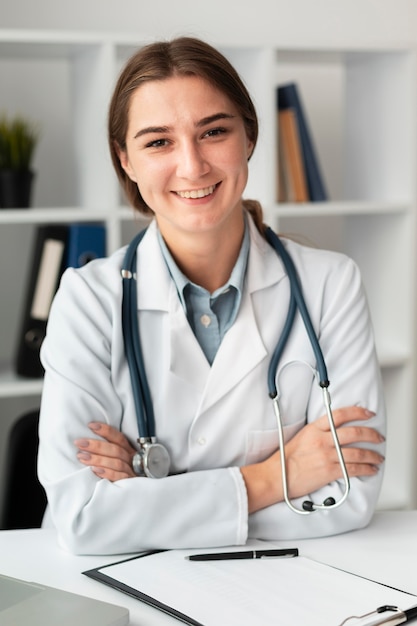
[152, 459]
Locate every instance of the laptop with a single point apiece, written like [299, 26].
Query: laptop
[23, 603]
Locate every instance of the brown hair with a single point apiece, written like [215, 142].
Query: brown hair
[157, 61]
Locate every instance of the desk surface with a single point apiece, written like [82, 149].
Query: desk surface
[385, 551]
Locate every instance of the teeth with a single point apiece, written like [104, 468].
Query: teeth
[197, 193]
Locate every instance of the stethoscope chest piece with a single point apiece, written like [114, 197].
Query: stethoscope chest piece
[152, 460]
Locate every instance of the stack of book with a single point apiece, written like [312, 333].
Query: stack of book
[299, 175]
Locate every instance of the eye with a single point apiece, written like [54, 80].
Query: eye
[157, 143]
[215, 132]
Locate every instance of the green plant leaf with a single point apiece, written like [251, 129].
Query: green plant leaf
[18, 140]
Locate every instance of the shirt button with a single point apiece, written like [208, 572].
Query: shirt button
[205, 320]
[201, 441]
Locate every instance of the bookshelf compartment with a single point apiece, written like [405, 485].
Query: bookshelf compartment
[24, 84]
[381, 245]
[16, 247]
[400, 466]
[359, 106]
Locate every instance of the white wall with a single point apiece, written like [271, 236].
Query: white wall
[363, 22]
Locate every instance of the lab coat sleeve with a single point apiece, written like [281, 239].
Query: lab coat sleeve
[339, 311]
[95, 516]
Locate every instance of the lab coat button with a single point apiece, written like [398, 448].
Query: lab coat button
[201, 441]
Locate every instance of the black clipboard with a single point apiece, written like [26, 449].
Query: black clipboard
[97, 574]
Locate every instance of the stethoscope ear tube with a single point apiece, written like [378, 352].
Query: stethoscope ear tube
[297, 295]
[140, 388]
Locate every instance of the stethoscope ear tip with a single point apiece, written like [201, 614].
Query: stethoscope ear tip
[309, 506]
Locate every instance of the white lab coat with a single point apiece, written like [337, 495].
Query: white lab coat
[212, 419]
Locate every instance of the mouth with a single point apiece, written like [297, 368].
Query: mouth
[197, 193]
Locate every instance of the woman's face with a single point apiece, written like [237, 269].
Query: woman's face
[187, 150]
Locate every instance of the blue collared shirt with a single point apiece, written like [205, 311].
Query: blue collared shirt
[210, 315]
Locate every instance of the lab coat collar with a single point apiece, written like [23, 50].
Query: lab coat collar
[155, 285]
[242, 347]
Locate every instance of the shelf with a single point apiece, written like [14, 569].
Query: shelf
[13, 386]
[345, 208]
[393, 357]
[48, 215]
[22, 44]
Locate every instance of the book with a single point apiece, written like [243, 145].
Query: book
[47, 264]
[293, 171]
[55, 248]
[288, 97]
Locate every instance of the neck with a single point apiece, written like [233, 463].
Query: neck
[207, 259]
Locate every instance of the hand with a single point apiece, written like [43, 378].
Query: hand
[109, 457]
[311, 459]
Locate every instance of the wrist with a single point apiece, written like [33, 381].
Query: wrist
[263, 484]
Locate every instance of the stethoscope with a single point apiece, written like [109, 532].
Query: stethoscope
[152, 459]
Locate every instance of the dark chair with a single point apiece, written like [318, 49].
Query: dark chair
[24, 500]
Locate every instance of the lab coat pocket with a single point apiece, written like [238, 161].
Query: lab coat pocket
[260, 444]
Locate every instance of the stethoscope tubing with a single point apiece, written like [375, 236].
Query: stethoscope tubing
[296, 300]
[141, 393]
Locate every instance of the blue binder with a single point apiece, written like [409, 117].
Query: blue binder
[85, 242]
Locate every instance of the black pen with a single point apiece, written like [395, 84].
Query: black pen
[249, 554]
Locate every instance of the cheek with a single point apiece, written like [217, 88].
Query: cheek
[147, 173]
[151, 179]
[232, 161]
[239, 167]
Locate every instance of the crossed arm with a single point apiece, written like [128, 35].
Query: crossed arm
[311, 457]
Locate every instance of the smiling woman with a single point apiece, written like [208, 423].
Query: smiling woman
[207, 298]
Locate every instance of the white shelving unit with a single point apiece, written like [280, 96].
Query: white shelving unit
[361, 108]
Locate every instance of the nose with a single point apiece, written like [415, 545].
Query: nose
[192, 163]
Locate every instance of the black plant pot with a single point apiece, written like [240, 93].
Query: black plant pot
[16, 189]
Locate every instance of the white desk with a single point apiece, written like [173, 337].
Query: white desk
[385, 551]
[34, 555]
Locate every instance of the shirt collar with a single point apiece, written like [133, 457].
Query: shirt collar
[237, 276]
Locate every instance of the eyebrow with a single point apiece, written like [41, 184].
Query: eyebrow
[205, 121]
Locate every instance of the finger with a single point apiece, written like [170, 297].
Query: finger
[104, 449]
[106, 463]
[110, 475]
[354, 434]
[111, 434]
[362, 456]
[343, 416]
[351, 414]
[359, 469]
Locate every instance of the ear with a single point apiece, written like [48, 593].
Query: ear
[125, 163]
[249, 149]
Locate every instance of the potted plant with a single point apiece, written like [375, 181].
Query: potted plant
[18, 139]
